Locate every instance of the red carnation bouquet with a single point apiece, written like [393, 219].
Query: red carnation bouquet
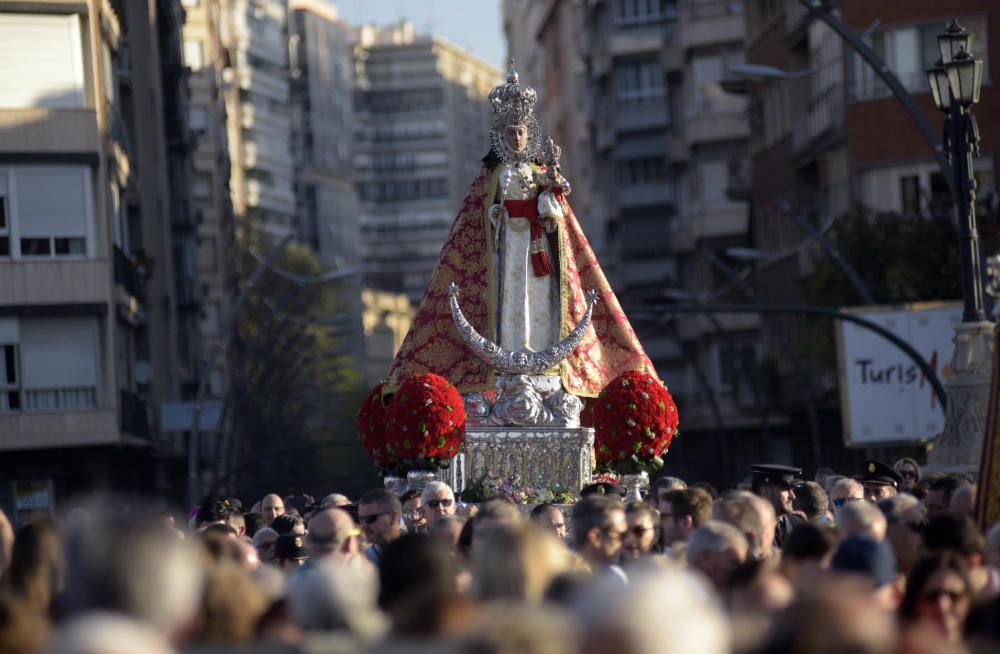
[635, 420]
[371, 427]
[422, 426]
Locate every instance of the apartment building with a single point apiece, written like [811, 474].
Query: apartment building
[259, 114]
[322, 74]
[421, 129]
[91, 331]
[664, 165]
[215, 260]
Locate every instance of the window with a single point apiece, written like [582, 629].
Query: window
[49, 61]
[202, 187]
[733, 368]
[4, 220]
[907, 51]
[642, 170]
[710, 181]
[49, 364]
[640, 12]
[198, 121]
[208, 258]
[190, 3]
[52, 209]
[707, 71]
[194, 55]
[640, 81]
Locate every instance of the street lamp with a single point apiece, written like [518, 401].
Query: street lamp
[955, 82]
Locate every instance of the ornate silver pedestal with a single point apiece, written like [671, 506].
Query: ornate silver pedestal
[960, 445]
[550, 458]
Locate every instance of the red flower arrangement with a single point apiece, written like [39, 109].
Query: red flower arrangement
[424, 424]
[371, 426]
[635, 420]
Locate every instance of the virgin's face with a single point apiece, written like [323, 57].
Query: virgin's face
[516, 137]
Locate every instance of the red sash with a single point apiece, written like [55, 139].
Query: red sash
[528, 209]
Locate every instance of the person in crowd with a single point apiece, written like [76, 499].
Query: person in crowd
[823, 475]
[939, 595]
[598, 532]
[231, 601]
[252, 523]
[681, 512]
[289, 523]
[964, 500]
[448, 529]
[418, 585]
[438, 499]
[664, 485]
[806, 557]
[108, 633]
[940, 491]
[35, 573]
[604, 489]
[776, 484]
[379, 514]
[811, 503]
[871, 562]
[660, 612]
[496, 511]
[757, 588]
[517, 562]
[549, 517]
[905, 522]
[290, 552]
[212, 512]
[715, 550]
[133, 565]
[271, 507]
[413, 511]
[828, 487]
[709, 489]
[330, 599]
[643, 535]
[845, 491]
[754, 517]
[6, 542]
[862, 518]
[332, 534]
[909, 473]
[22, 630]
[957, 533]
[833, 616]
[334, 501]
[992, 557]
[879, 481]
[264, 542]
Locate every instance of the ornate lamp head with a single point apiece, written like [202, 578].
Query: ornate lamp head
[513, 105]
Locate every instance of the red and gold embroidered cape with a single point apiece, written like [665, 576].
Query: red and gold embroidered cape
[609, 348]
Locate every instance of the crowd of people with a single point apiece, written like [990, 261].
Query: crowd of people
[884, 561]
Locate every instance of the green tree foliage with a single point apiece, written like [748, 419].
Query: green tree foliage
[297, 353]
[900, 259]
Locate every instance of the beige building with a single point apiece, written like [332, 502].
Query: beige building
[210, 197]
[387, 317]
[421, 129]
[92, 216]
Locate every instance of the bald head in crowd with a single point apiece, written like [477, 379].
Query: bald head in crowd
[271, 507]
[716, 549]
[862, 518]
[332, 533]
[754, 517]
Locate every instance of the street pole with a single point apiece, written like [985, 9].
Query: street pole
[229, 322]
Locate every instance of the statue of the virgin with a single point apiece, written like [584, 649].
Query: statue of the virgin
[524, 272]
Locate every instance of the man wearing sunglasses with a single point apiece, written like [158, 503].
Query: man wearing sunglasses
[438, 500]
[844, 492]
[379, 512]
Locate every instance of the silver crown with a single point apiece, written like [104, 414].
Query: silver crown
[513, 99]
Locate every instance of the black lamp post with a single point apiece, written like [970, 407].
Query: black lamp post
[955, 82]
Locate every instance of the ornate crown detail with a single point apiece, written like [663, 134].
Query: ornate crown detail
[513, 99]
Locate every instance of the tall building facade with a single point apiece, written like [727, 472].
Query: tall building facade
[421, 128]
[206, 57]
[92, 214]
[664, 164]
[322, 87]
[259, 111]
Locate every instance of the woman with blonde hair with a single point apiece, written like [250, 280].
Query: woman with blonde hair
[35, 575]
[516, 562]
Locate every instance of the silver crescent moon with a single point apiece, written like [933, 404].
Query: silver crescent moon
[508, 362]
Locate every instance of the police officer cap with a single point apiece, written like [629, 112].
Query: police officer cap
[768, 473]
[877, 472]
[291, 547]
[606, 488]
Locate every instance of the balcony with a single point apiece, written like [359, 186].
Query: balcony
[716, 119]
[44, 130]
[70, 428]
[711, 21]
[822, 120]
[136, 415]
[129, 275]
[646, 195]
[45, 281]
[643, 115]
